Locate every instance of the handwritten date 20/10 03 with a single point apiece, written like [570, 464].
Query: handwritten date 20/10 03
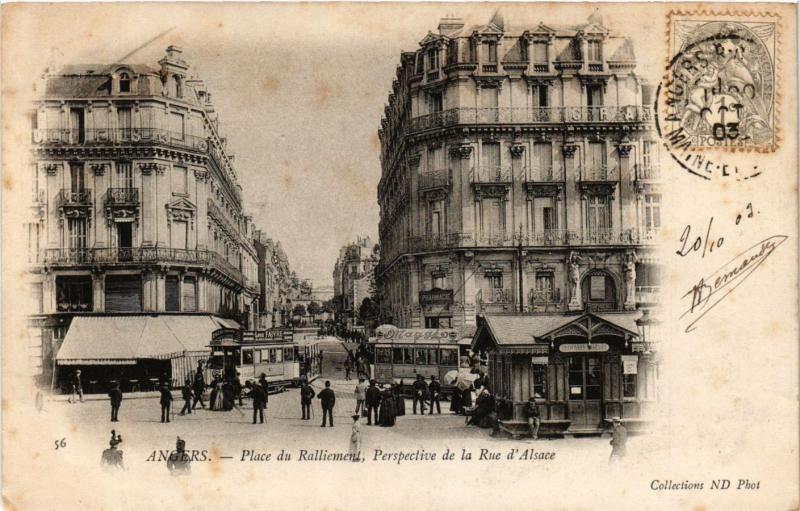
[710, 290]
[707, 244]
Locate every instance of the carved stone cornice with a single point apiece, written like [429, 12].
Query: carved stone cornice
[516, 150]
[52, 168]
[569, 150]
[99, 169]
[539, 189]
[598, 188]
[201, 175]
[463, 151]
[149, 167]
[624, 150]
[494, 190]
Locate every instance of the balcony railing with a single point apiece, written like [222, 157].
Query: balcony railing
[541, 67]
[124, 255]
[490, 174]
[433, 75]
[648, 294]
[489, 68]
[494, 296]
[68, 197]
[648, 172]
[549, 237]
[435, 179]
[541, 175]
[544, 296]
[595, 67]
[522, 115]
[120, 136]
[120, 196]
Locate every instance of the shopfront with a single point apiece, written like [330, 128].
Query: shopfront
[582, 368]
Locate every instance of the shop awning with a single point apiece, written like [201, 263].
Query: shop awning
[122, 340]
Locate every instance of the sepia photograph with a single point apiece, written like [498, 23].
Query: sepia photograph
[322, 255]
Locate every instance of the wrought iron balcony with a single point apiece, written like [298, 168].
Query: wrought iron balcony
[523, 115]
[541, 175]
[494, 300]
[69, 197]
[490, 174]
[122, 196]
[544, 296]
[119, 136]
[434, 179]
[433, 74]
[595, 67]
[541, 67]
[599, 173]
[648, 294]
[489, 68]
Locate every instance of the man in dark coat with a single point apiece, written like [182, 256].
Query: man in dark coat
[531, 411]
[166, 402]
[328, 400]
[619, 439]
[77, 386]
[306, 396]
[186, 394]
[116, 399]
[258, 396]
[373, 401]
[420, 393]
[199, 386]
[262, 380]
[435, 388]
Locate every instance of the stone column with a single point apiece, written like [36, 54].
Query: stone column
[413, 167]
[413, 274]
[54, 172]
[470, 287]
[462, 153]
[101, 224]
[572, 197]
[627, 202]
[49, 293]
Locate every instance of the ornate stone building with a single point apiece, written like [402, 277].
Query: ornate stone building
[274, 275]
[137, 210]
[353, 279]
[520, 180]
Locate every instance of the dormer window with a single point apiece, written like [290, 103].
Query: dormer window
[124, 82]
[433, 59]
[491, 51]
[594, 50]
[178, 87]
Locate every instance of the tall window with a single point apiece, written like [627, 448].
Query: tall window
[437, 102]
[597, 161]
[491, 51]
[76, 228]
[178, 86]
[172, 293]
[543, 160]
[594, 100]
[549, 218]
[438, 280]
[594, 50]
[436, 158]
[124, 122]
[545, 283]
[179, 233]
[77, 177]
[540, 96]
[540, 53]
[492, 219]
[124, 82]
[629, 385]
[436, 219]
[178, 126]
[599, 214]
[180, 176]
[495, 280]
[124, 174]
[189, 294]
[490, 158]
[433, 58]
[77, 125]
[652, 211]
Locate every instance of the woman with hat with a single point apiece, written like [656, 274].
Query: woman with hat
[387, 414]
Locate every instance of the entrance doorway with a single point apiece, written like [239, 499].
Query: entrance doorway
[585, 391]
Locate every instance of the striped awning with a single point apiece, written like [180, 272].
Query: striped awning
[123, 340]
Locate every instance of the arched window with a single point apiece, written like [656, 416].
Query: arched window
[178, 87]
[598, 290]
[124, 82]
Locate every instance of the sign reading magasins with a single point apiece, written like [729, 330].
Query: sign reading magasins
[401, 334]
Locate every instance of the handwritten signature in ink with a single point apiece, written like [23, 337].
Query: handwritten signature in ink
[711, 290]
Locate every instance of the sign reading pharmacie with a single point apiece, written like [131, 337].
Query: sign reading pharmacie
[436, 297]
[598, 347]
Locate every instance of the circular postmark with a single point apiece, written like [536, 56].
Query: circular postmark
[717, 97]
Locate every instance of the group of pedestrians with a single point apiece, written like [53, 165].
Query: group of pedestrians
[383, 404]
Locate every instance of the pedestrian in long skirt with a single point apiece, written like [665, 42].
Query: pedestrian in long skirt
[355, 439]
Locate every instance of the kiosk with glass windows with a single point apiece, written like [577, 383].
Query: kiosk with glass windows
[582, 369]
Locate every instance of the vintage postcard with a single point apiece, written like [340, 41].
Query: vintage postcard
[427, 256]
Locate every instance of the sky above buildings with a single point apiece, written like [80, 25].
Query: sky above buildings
[299, 89]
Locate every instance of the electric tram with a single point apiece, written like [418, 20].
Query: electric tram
[251, 353]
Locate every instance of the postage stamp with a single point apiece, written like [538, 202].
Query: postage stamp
[722, 77]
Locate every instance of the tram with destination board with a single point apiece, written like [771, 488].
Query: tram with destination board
[403, 353]
[251, 353]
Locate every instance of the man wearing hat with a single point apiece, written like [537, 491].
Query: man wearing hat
[166, 401]
[115, 395]
[328, 401]
[373, 401]
[306, 396]
[76, 387]
[199, 386]
[619, 439]
[435, 390]
[420, 391]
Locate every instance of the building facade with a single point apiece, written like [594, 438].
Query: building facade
[274, 276]
[136, 204]
[354, 279]
[519, 176]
